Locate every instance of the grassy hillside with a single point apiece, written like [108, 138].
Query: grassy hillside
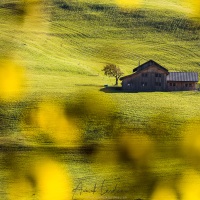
[63, 47]
[77, 39]
[52, 52]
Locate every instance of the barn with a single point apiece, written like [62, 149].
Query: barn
[151, 76]
[180, 81]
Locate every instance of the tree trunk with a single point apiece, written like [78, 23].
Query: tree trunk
[116, 80]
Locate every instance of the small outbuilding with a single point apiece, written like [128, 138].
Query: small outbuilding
[151, 76]
[180, 81]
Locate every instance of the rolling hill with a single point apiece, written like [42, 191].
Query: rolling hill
[55, 50]
[77, 38]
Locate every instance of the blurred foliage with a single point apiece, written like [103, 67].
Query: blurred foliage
[189, 184]
[43, 178]
[194, 5]
[190, 145]
[164, 190]
[137, 148]
[94, 113]
[50, 120]
[12, 80]
[128, 4]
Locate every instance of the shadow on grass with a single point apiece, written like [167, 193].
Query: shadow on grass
[117, 89]
[112, 89]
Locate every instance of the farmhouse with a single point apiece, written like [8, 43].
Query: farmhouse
[151, 76]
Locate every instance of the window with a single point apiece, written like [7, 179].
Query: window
[172, 84]
[144, 74]
[157, 75]
[186, 85]
[158, 83]
[144, 84]
[190, 84]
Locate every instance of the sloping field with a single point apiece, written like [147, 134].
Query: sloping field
[65, 136]
[79, 38]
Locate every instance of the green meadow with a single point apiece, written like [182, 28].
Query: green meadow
[63, 47]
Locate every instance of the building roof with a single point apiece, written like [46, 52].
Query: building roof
[148, 64]
[171, 76]
[142, 67]
[183, 76]
[124, 77]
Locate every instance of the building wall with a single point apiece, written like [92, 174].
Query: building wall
[151, 79]
[181, 86]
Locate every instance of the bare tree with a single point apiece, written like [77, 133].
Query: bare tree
[112, 70]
